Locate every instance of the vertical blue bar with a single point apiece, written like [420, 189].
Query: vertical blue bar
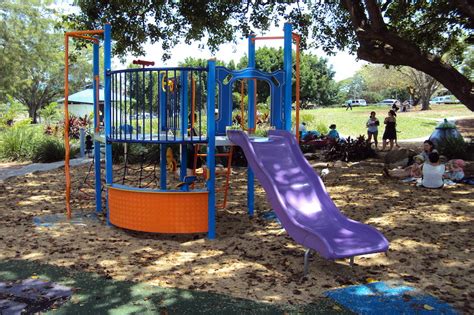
[161, 128]
[251, 125]
[287, 61]
[98, 183]
[107, 106]
[211, 147]
[184, 121]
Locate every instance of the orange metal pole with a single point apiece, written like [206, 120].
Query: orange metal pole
[92, 39]
[297, 38]
[242, 111]
[88, 32]
[66, 126]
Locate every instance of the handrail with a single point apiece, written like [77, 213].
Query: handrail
[159, 69]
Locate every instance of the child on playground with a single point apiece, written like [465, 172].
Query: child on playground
[372, 128]
[89, 145]
[455, 170]
[433, 172]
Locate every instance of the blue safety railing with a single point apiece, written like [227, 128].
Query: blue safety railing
[158, 105]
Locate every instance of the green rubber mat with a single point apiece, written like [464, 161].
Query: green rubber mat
[93, 294]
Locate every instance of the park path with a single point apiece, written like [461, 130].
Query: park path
[7, 171]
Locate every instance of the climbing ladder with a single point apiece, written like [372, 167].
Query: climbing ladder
[221, 174]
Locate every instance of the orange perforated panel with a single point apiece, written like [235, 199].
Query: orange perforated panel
[158, 212]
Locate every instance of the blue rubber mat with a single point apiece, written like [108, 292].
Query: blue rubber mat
[50, 220]
[388, 298]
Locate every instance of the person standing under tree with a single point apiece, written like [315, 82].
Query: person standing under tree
[390, 132]
[372, 128]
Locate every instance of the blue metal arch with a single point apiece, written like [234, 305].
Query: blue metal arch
[225, 94]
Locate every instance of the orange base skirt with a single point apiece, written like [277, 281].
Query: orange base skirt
[159, 212]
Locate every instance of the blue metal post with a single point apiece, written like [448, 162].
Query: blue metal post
[82, 139]
[107, 111]
[97, 173]
[184, 121]
[287, 67]
[162, 128]
[251, 125]
[211, 147]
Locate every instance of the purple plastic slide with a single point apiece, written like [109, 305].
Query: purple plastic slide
[300, 200]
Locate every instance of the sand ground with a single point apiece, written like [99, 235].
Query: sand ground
[430, 234]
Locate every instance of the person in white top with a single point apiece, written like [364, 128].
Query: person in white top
[433, 172]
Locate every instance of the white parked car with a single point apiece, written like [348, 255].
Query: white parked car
[388, 101]
[357, 102]
[447, 99]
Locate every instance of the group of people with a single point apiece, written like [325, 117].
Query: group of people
[390, 133]
[428, 170]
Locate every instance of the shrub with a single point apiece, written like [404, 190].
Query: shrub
[17, 142]
[322, 128]
[352, 150]
[76, 123]
[47, 150]
[454, 148]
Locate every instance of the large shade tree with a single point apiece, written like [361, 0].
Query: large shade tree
[32, 56]
[419, 34]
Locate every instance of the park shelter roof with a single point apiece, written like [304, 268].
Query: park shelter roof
[85, 96]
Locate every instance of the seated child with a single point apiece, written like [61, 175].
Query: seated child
[455, 170]
[433, 172]
[333, 134]
[89, 145]
[414, 170]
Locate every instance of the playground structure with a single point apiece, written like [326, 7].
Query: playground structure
[192, 106]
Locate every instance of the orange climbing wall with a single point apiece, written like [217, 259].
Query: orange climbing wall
[158, 212]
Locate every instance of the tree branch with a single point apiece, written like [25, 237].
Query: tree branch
[375, 16]
[357, 14]
[467, 8]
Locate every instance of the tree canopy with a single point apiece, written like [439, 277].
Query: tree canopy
[32, 58]
[419, 34]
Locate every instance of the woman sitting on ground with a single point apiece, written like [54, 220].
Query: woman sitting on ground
[413, 171]
[433, 172]
[428, 147]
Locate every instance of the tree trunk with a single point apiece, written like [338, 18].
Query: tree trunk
[379, 45]
[33, 113]
[425, 103]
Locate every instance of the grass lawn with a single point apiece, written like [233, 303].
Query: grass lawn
[414, 124]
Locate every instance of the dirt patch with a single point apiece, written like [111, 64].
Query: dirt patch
[429, 233]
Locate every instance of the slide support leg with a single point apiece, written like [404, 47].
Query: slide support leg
[306, 258]
[351, 261]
